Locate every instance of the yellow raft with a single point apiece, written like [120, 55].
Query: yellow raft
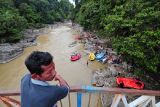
[92, 57]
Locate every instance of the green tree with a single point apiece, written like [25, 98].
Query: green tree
[133, 27]
[29, 13]
[16, 15]
[11, 25]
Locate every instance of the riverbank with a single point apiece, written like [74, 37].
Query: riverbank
[115, 67]
[107, 77]
[10, 51]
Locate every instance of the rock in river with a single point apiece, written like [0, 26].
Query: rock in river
[9, 52]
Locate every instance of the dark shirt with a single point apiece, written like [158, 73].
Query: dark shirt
[33, 95]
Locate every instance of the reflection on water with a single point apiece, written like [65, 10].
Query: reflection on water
[57, 43]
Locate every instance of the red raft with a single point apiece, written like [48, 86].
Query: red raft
[78, 37]
[129, 83]
[75, 57]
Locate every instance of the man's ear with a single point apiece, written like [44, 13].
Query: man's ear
[35, 76]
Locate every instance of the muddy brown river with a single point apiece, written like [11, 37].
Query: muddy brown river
[57, 43]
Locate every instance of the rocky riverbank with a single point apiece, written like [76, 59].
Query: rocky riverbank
[92, 43]
[10, 51]
[107, 77]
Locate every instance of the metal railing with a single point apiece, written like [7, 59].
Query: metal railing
[147, 96]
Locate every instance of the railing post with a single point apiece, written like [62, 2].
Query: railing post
[153, 101]
[79, 99]
[143, 100]
[116, 100]
[125, 101]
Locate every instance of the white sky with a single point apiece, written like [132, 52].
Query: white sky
[72, 1]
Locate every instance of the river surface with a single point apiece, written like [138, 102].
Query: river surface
[57, 43]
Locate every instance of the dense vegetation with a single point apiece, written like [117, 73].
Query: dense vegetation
[16, 15]
[132, 25]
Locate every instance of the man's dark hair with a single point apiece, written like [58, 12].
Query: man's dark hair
[36, 59]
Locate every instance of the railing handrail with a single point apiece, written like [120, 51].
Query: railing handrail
[91, 89]
[115, 90]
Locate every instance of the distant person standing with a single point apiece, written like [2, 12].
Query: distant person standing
[35, 90]
[87, 62]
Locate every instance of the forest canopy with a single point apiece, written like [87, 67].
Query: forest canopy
[132, 25]
[17, 15]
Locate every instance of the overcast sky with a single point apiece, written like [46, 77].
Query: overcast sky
[71, 1]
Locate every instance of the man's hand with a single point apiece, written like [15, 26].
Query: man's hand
[62, 82]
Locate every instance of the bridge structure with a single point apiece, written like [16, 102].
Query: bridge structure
[147, 98]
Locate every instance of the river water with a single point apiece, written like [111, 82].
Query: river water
[57, 43]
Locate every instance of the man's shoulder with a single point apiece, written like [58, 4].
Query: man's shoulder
[26, 77]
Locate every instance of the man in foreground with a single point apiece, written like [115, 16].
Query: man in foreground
[35, 91]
